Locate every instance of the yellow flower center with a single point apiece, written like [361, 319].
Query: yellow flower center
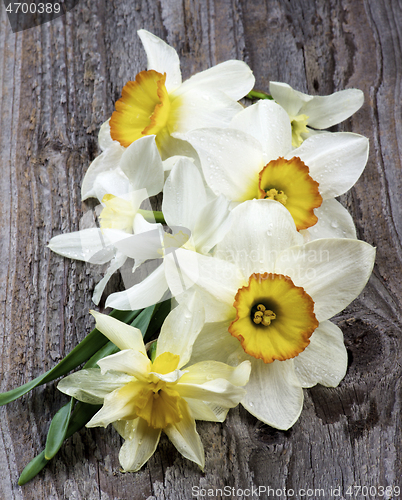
[275, 319]
[299, 127]
[158, 403]
[142, 110]
[117, 213]
[289, 182]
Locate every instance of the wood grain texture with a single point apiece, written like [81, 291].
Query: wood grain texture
[58, 83]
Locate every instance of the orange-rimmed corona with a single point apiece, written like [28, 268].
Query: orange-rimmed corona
[289, 182]
[275, 318]
[143, 108]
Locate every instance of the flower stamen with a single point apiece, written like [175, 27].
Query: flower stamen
[274, 194]
[263, 315]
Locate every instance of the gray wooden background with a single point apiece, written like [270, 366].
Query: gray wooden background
[59, 82]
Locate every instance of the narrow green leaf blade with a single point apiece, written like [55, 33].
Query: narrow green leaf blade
[160, 312]
[143, 319]
[58, 430]
[81, 353]
[106, 350]
[82, 414]
[33, 468]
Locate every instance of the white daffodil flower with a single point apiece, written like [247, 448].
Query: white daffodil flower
[121, 191]
[268, 298]
[142, 398]
[201, 219]
[254, 158]
[158, 103]
[307, 112]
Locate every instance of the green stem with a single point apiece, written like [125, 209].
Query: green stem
[258, 94]
[152, 216]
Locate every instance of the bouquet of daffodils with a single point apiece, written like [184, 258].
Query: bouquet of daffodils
[232, 284]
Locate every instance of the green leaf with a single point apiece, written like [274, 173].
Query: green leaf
[143, 319]
[58, 430]
[161, 311]
[81, 353]
[106, 350]
[33, 468]
[83, 412]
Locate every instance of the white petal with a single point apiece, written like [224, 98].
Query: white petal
[201, 108]
[214, 343]
[175, 146]
[170, 377]
[89, 245]
[212, 224]
[218, 391]
[134, 363]
[142, 164]
[274, 394]
[215, 280]
[210, 412]
[90, 386]
[104, 138]
[116, 406]
[111, 182]
[291, 100]
[334, 221]
[139, 447]
[122, 335]
[185, 438]
[260, 230]
[147, 243]
[162, 58]
[325, 360]
[335, 160]
[170, 162]
[231, 161]
[269, 123]
[116, 263]
[184, 195]
[332, 271]
[234, 78]
[180, 329]
[205, 371]
[150, 291]
[107, 160]
[326, 111]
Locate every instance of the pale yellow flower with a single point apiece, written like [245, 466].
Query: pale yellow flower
[143, 397]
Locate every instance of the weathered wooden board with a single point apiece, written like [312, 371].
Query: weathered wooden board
[59, 82]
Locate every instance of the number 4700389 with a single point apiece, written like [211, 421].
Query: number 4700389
[33, 8]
